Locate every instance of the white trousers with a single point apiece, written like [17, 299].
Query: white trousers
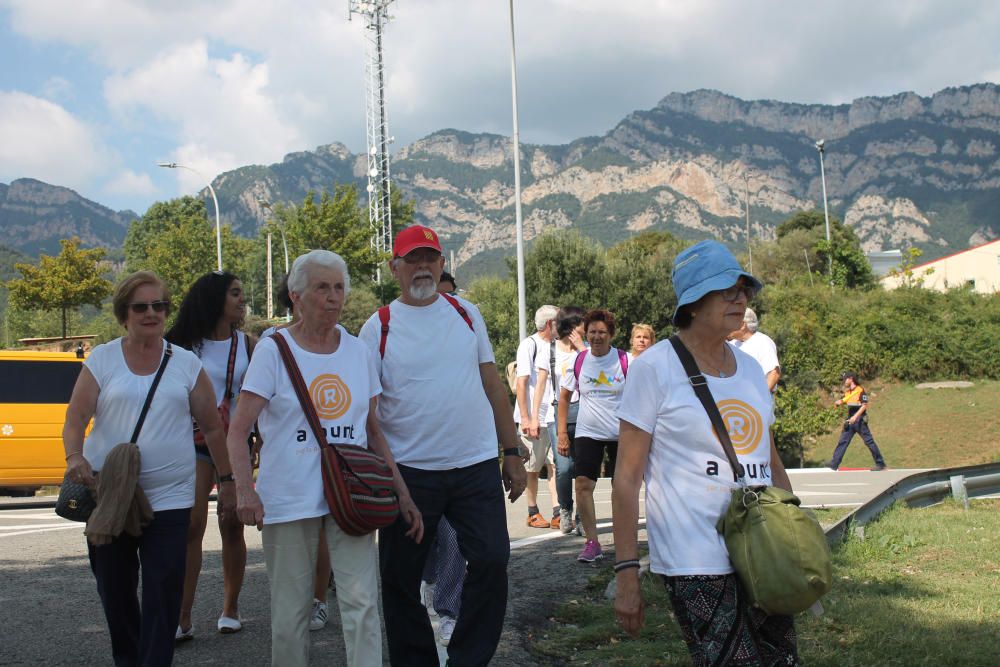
[290, 552]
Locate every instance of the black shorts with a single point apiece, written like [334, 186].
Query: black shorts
[588, 455]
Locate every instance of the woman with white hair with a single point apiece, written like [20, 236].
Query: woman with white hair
[289, 505]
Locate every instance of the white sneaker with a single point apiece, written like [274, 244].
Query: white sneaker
[427, 597]
[446, 629]
[228, 625]
[184, 635]
[319, 615]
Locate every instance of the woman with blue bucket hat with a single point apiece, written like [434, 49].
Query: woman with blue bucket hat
[667, 438]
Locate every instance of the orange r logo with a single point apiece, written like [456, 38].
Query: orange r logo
[745, 426]
[330, 395]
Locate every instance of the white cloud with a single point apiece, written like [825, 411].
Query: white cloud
[129, 183]
[57, 89]
[40, 139]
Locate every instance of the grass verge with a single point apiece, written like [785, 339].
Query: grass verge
[923, 588]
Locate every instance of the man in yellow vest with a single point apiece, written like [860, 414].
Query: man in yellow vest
[856, 399]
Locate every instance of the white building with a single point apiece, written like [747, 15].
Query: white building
[977, 268]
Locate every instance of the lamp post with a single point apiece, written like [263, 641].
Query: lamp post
[284, 244]
[820, 146]
[215, 200]
[522, 322]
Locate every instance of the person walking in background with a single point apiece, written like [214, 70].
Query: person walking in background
[289, 504]
[642, 337]
[856, 399]
[208, 324]
[115, 379]
[433, 350]
[447, 284]
[531, 412]
[598, 374]
[759, 346]
[569, 329]
[668, 442]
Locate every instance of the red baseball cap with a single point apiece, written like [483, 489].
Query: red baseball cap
[413, 237]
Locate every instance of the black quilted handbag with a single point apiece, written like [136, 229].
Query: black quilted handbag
[76, 501]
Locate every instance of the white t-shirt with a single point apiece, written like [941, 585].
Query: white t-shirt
[166, 469]
[214, 355]
[600, 386]
[341, 384]
[760, 347]
[433, 410]
[688, 478]
[532, 354]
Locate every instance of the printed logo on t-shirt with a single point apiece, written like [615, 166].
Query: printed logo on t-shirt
[602, 380]
[745, 425]
[330, 395]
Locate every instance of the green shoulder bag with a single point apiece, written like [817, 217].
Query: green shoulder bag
[778, 549]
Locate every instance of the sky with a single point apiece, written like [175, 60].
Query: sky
[94, 93]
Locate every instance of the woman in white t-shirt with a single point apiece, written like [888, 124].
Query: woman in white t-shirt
[289, 504]
[111, 389]
[208, 324]
[598, 374]
[667, 439]
[640, 340]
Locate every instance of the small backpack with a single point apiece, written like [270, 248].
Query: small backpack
[578, 364]
[512, 368]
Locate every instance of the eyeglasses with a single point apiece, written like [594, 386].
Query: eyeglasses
[731, 294]
[141, 307]
[417, 257]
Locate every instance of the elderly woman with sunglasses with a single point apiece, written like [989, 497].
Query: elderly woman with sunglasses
[111, 389]
[667, 439]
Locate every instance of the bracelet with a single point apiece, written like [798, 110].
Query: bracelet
[626, 565]
[511, 451]
[74, 454]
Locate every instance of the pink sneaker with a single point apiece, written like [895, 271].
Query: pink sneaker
[591, 552]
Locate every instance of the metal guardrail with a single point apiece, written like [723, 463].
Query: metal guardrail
[921, 490]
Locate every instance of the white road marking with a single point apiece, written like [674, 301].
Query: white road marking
[41, 530]
[32, 525]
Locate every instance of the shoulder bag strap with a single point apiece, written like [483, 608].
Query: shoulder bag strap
[623, 361]
[152, 390]
[701, 390]
[578, 364]
[295, 375]
[231, 366]
[552, 371]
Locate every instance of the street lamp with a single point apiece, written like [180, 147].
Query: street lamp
[522, 323]
[266, 204]
[820, 146]
[215, 200]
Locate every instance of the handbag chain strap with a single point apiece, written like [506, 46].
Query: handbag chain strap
[299, 384]
[701, 390]
[152, 390]
[231, 366]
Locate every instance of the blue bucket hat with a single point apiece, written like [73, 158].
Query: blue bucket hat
[705, 267]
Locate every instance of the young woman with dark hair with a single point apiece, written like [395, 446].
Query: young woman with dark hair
[208, 324]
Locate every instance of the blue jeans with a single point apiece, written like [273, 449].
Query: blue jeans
[565, 468]
[861, 428]
[143, 635]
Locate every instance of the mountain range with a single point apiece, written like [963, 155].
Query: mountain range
[902, 171]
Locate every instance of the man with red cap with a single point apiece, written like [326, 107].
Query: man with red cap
[443, 410]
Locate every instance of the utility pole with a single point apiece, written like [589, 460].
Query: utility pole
[820, 146]
[522, 319]
[375, 14]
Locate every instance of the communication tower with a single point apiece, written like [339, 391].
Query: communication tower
[375, 15]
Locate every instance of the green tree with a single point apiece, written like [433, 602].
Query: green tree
[70, 280]
[564, 268]
[850, 266]
[175, 240]
[494, 296]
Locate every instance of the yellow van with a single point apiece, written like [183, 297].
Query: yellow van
[34, 390]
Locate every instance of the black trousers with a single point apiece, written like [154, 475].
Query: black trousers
[861, 428]
[143, 635]
[471, 498]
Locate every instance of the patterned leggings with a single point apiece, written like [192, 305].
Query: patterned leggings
[720, 628]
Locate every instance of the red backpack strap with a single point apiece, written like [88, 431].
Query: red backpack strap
[457, 306]
[383, 317]
[578, 364]
[623, 360]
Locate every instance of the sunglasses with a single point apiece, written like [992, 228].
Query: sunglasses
[731, 294]
[417, 257]
[141, 307]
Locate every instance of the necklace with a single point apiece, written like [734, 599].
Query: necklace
[721, 373]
